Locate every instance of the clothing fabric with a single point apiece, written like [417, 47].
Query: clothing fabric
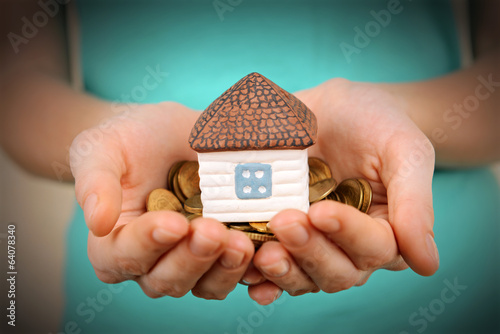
[192, 51]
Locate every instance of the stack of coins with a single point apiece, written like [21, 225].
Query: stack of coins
[183, 195]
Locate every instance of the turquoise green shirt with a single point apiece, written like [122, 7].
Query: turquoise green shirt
[191, 51]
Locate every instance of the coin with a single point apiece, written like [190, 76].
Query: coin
[321, 189]
[162, 199]
[367, 195]
[189, 179]
[333, 196]
[261, 227]
[177, 190]
[240, 227]
[172, 173]
[261, 237]
[352, 190]
[193, 204]
[191, 216]
[318, 170]
[341, 198]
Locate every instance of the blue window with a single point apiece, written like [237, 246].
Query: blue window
[253, 181]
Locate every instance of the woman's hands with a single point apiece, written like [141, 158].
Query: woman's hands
[115, 166]
[363, 132]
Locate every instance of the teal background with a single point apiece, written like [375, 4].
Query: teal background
[296, 44]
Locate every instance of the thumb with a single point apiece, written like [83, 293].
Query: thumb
[97, 188]
[408, 178]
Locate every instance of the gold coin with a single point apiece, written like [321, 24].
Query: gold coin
[352, 190]
[318, 170]
[177, 190]
[191, 216]
[162, 199]
[172, 173]
[261, 227]
[321, 189]
[193, 204]
[341, 198]
[189, 179]
[240, 227]
[333, 196]
[260, 237]
[367, 195]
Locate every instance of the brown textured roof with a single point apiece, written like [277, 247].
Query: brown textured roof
[254, 114]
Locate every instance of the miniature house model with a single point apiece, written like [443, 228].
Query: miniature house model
[251, 145]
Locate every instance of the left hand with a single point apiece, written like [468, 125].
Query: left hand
[363, 132]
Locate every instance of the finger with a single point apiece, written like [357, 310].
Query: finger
[264, 293]
[369, 243]
[325, 263]
[133, 249]
[222, 278]
[252, 276]
[97, 186]
[178, 271]
[408, 179]
[277, 265]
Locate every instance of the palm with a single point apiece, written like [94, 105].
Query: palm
[142, 146]
[360, 130]
[149, 146]
[159, 250]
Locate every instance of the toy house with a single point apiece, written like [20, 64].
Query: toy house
[251, 145]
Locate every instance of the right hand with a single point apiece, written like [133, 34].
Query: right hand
[115, 168]
[363, 131]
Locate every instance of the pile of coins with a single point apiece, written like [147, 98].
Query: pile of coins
[183, 195]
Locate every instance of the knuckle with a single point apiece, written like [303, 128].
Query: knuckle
[107, 277]
[299, 292]
[209, 295]
[363, 280]
[152, 295]
[131, 266]
[339, 283]
[166, 289]
[372, 262]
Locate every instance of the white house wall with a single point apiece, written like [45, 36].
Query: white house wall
[217, 182]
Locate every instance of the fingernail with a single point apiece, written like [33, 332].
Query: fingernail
[278, 294]
[276, 269]
[89, 208]
[163, 236]
[203, 246]
[432, 248]
[293, 234]
[232, 258]
[252, 279]
[270, 301]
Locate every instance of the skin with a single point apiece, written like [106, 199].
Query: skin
[334, 247]
[366, 130]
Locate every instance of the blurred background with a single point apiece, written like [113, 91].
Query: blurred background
[41, 210]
